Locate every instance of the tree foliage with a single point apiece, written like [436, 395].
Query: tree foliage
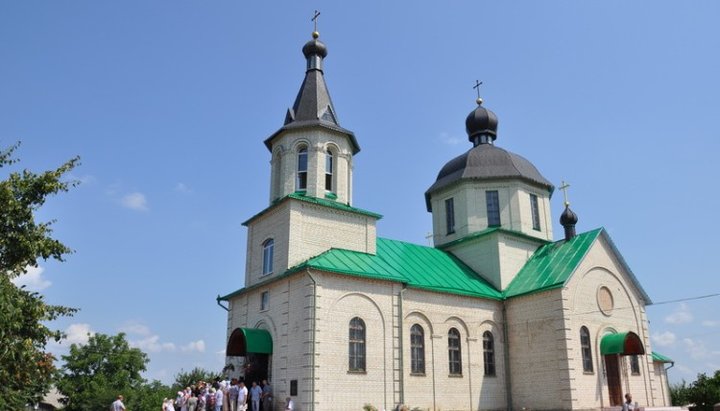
[703, 392]
[185, 379]
[26, 370]
[95, 373]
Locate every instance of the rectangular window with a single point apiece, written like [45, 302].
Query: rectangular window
[634, 365]
[264, 298]
[493, 208]
[293, 387]
[535, 212]
[450, 215]
[328, 171]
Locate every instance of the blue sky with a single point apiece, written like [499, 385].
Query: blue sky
[168, 102]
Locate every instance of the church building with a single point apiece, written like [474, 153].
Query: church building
[497, 315]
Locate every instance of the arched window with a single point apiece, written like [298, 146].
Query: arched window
[417, 350]
[454, 354]
[586, 349]
[302, 166]
[489, 353]
[268, 248]
[356, 353]
[329, 167]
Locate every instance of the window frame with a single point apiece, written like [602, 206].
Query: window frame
[357, 345]
[492, 207]
[268, 255]
[417, 350]
[264, 300]
[329, 174]
[535, 212]
[634, 365]
[489, 354]
[454, 353]
[302, 169]
[586, 350]
[450, 216]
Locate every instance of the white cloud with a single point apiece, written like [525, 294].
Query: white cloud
[135, 328]
[78, 334]
[135, 201]
[710, 323]
[182, 188]
[697, 349]
[448, 139]
[681, 316]
[198, 346]
[32, 279]
[664, 339]
[152, 344]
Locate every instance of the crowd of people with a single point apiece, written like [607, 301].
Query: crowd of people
[230, 395]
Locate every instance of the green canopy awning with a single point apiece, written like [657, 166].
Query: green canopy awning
[627, 343]
[657, 357]
[249, 340]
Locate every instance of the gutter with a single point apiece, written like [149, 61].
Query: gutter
[400, 344]
[312, 336]
[506, 357]
[217, 300]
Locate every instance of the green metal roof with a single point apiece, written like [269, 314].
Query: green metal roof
[551, 265]
[314, 200]
[418, 266]
[627, 343]
[657, 357]
[249, 340]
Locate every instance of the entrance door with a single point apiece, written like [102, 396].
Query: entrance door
[612, 370]
[256, 368]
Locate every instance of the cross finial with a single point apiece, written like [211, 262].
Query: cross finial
[314, 20]
[564, 188]
[477, 85]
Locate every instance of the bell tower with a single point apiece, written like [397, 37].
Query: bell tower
[311, 164]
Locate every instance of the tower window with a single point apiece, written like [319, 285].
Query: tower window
[489, 353]
[417, 350]
[450, 215]
[329, 170]
[493, 208]
[454, 354]
[268, 250]
[535, 212]
[586, 349]
[301, 183]
[356, 354]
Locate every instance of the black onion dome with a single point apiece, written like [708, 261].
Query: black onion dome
[315, 47]
[568, 217]
[481, 121]
[487, 162]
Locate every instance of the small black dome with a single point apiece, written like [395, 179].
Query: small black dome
[315, 47]
[481, 121]
[568, 217]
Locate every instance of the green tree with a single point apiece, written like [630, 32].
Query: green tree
[703, 392]
[26, 369]
[187, 378]
[148, 397]
[95, 373]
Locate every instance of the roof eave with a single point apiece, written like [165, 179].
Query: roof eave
[297, 125]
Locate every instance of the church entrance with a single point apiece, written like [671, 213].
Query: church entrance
[612, 370]
[255, 345]
[612, 346]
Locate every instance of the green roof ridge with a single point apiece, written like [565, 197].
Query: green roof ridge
[551, 265]
[315, 200]
[489, 231]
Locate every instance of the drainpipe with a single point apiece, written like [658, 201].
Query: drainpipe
[312, 338]
[217, 300]
[506, 357]
[400, 344]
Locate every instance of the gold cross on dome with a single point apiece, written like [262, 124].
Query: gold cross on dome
[564, 188]
[314, 19]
